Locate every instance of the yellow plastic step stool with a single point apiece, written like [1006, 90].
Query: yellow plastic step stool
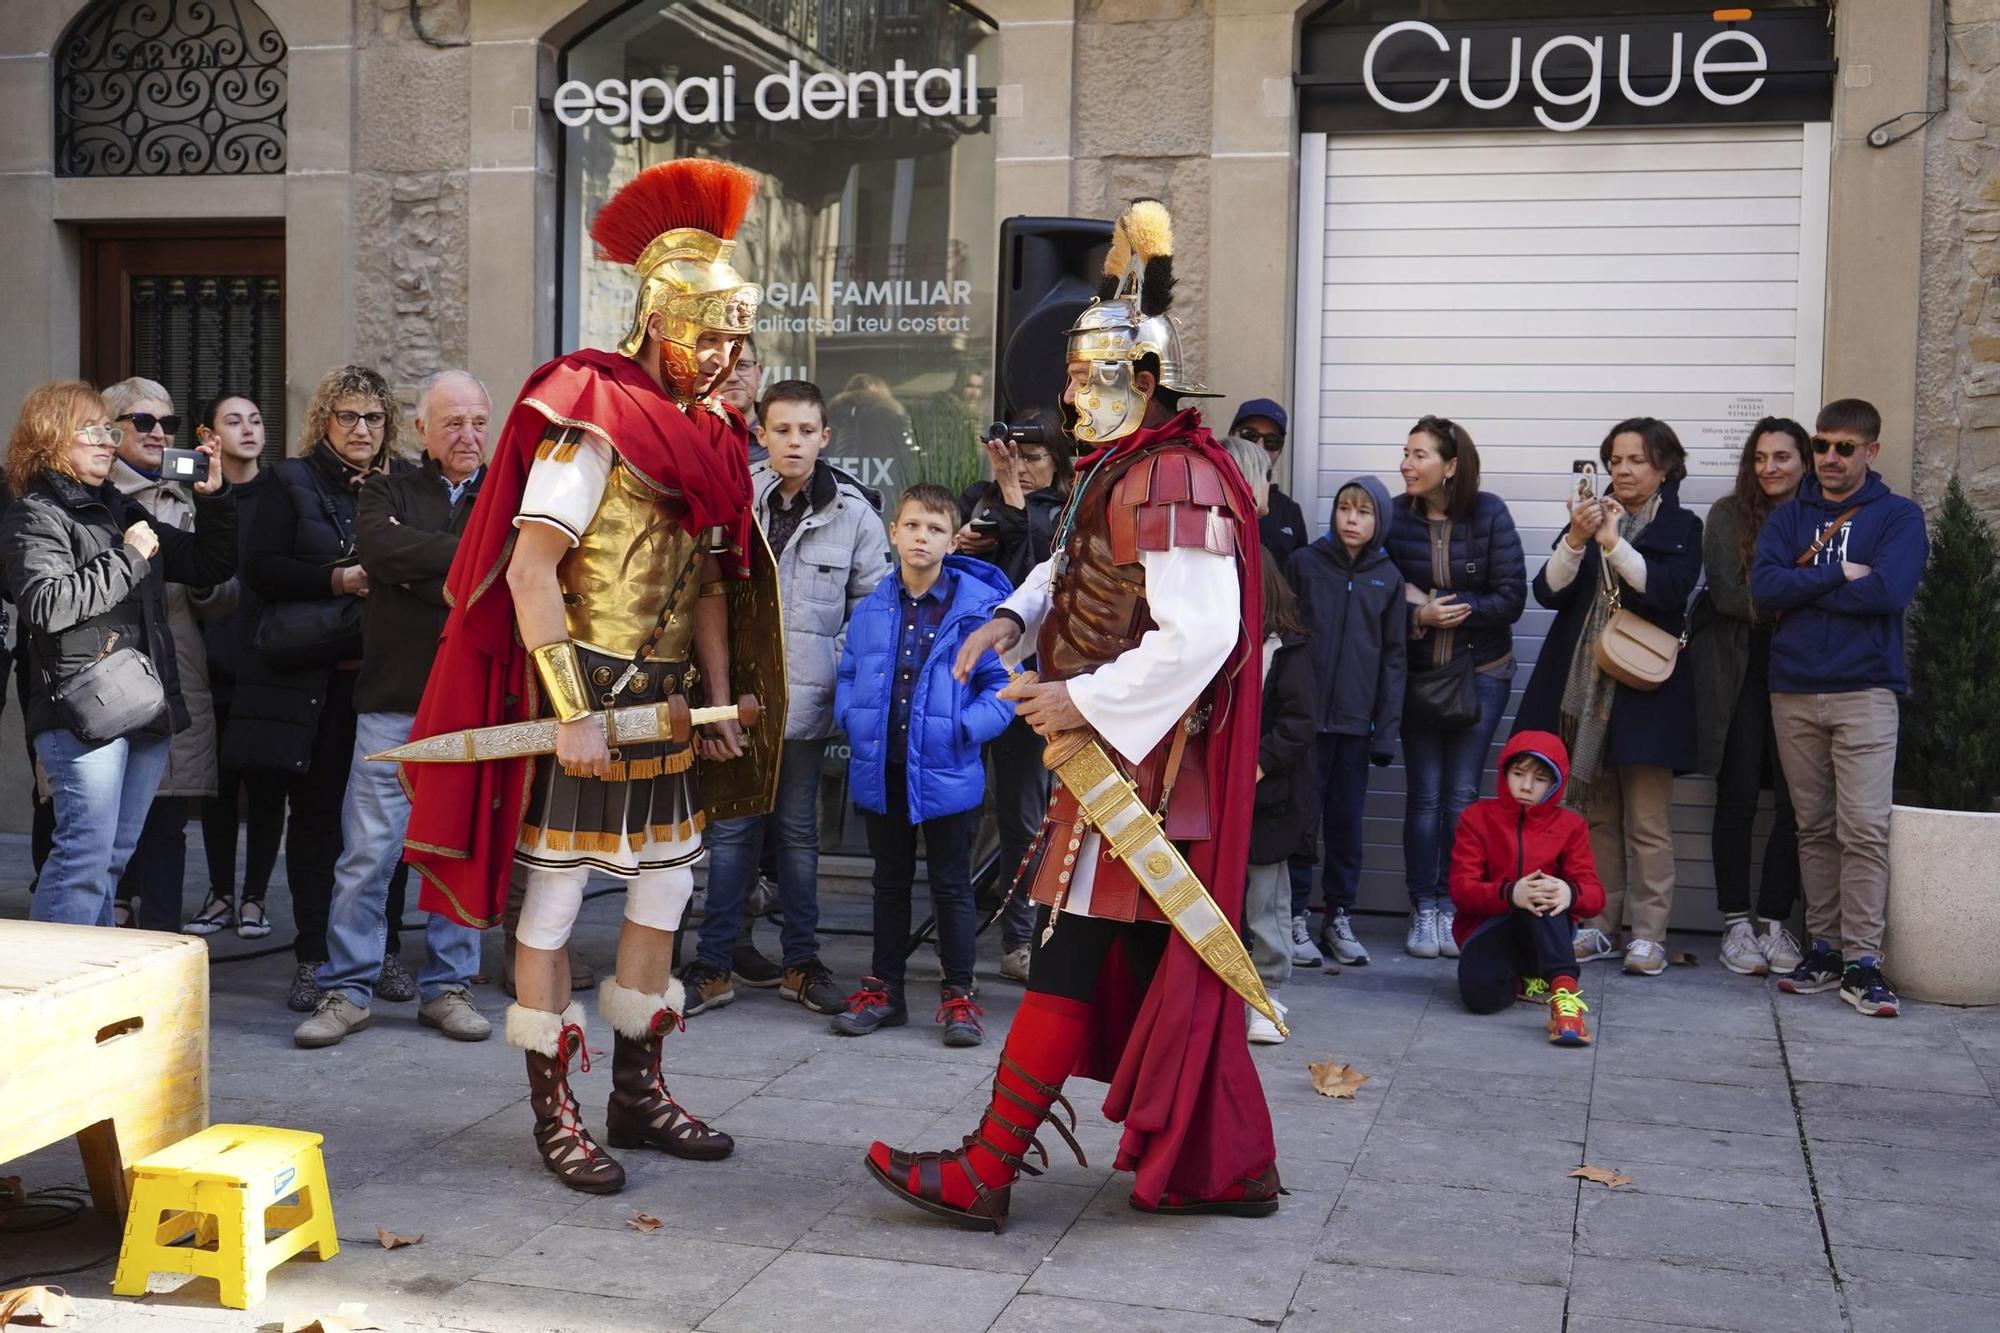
[227, 1184]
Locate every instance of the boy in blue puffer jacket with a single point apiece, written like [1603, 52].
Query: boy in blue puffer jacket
[915, 737]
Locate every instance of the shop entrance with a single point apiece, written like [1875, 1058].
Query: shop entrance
[199, 307]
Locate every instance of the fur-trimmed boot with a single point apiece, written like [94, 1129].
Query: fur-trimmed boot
[565, 1145]
[970, 1185]
[642, 1113]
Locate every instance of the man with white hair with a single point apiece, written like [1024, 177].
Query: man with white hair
[407, 527]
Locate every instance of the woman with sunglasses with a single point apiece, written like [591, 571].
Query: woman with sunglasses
[1730, 645]
[1640, 549]
[88, 569]
[144, 410]
[1467, 581]
[293, 710]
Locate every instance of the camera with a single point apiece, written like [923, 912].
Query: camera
[183, 465]
[1031, 433]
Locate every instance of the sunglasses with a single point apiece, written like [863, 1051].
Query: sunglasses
[1272, 440]
[1845, 448]
[372, 420]
[109, 436]
[144, 422]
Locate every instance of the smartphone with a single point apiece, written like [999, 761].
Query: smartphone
[1585, 486]
[183, 465]
[985, 524]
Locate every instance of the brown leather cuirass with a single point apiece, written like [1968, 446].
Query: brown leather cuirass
[1097, 608]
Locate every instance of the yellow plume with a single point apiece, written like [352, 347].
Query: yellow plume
[1118, 256]
[1150, 230]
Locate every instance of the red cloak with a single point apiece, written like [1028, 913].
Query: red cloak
[1175, 1052]
[465, 818]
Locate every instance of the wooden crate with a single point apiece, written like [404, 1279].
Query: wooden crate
[103, 1036]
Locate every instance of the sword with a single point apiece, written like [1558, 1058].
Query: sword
[669, 720]
[1107, 801]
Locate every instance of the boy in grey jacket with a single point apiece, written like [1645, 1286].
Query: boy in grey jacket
[832, 550]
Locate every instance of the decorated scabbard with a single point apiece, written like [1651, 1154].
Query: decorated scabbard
[669, 720]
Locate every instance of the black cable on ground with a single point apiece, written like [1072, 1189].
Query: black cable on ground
[48, 1209]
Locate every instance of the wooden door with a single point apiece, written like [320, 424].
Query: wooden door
[200, 307]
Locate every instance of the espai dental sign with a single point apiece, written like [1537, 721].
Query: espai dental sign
[789, 94]
[1408, 69]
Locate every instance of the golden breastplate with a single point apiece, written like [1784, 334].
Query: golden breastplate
[618, 578]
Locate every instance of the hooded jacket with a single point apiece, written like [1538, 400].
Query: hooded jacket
[1833, 636]
[950, 723]
[1500, 841]
[1359, 621]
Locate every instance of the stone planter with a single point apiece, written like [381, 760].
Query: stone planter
[1944, 905]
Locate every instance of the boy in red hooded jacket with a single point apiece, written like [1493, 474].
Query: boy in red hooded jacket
[1521, 877]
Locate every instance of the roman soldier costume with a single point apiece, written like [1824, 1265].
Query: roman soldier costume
[1148, 610]
[645, 475]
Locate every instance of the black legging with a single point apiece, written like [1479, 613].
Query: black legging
[262, 809]
[1069, 964]
[312, 838]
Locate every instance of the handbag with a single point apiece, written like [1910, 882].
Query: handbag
[1442, 698]
[310, 635]
[1632, 650]
[117, 694]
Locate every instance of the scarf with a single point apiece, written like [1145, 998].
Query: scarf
[1588, 693]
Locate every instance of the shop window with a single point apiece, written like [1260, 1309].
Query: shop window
[170, 88]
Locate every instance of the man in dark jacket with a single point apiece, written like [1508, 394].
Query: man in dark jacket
[1839, 563]
[1351, 599]
[1283, 527]
[407, 527]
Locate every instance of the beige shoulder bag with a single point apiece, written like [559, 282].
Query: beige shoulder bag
[1633, 650]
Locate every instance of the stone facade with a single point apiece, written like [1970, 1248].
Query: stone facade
[1958, 357]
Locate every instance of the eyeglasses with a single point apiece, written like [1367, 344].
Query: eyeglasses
[109, 436]
[1034, 455]
[372, 420]
[1272, 440]
[144, 422]
[1845, 448]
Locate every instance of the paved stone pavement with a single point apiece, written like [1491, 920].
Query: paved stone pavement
[1794, 1166]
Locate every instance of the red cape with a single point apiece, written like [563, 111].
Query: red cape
[465, 818]
[1175, 1052]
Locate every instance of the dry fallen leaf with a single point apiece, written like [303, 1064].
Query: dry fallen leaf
[1608, 1179]
[1681, 958]
[348, 1317]
[1333, 1079]
[42, 1307]
[643, 1222]
[392, 1241]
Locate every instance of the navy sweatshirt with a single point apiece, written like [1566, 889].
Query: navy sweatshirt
[1359, 621]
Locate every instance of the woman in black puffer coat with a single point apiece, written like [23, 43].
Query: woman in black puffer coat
[298, 720]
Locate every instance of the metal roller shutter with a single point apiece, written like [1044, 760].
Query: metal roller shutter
[1538, 287]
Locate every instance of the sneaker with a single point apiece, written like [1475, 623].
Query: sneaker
[1447, 942]
[1263, 1032]
[870, 1008]
[1644, 958]
[1532, 991]
[960, 1017]
[811, 984]
[1338, 939]
[1741, 952]
[1566, 1011]
[1304, 952]
[752, 968]
[251, 923]
[217, 914]
[1592, 944]
[452, 1014]
[124, 911]
[707, 987]
[395, 983]
[305, 994]
[1819, 970]
[332, 1019]
[1422, 941]
[1014, 963]
[1862, 986]
[1781, 951]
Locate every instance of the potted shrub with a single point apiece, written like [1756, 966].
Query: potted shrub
[1944, 834]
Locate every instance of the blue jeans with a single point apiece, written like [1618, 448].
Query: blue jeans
[1442, 769]
[735, 846]
[101, 795]
[374, 815]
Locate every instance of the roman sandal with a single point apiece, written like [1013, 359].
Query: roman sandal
[642, 1113]
[1252, 1196]
[971, 1185]
[566, 1147]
